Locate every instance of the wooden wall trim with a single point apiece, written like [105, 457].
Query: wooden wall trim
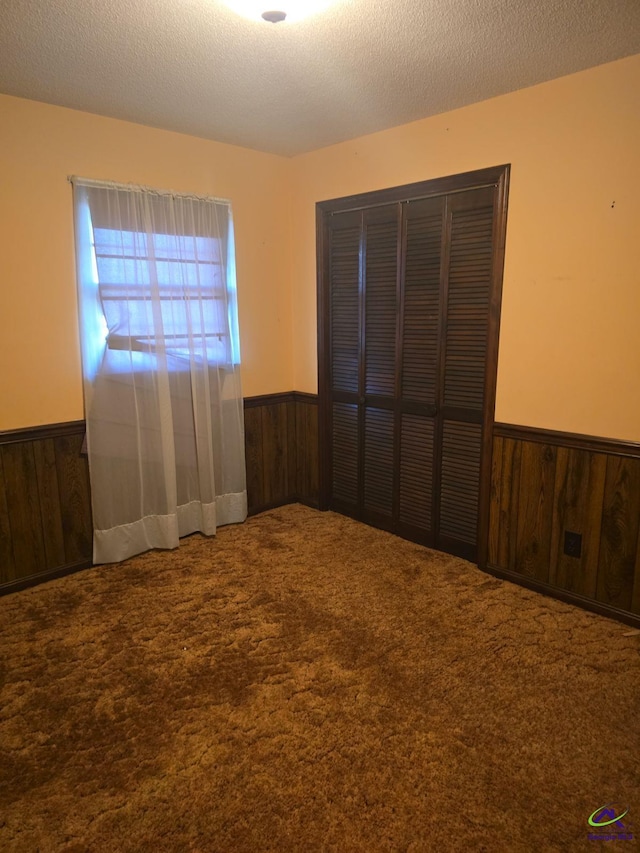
[268, 399]
[38, 433]
[568, 597]
[491, 369]
[35, 433]
[594, 444]
[421, 189]
[305, 397]
[280, 397]
[41, 577]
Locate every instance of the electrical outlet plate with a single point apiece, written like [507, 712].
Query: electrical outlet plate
[572, 543]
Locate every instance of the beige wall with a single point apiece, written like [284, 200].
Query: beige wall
[40, 379]
[570, 337]
[569, 347]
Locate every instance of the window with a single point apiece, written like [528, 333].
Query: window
[160, 360]
[163, 269]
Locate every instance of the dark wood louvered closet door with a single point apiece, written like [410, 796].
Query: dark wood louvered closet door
[408, 316]
[418, 376]
[380, 304]
[466, 300]
[346, 339]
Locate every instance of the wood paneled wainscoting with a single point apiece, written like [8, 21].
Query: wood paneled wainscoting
[281, 447]
[544, 485]
[547, 486]
[45, 500]
[45, 504]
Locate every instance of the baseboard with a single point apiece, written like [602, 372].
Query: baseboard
[310, 502]
[42, 577]
[62, 571]
[564, 595]
[292, 499]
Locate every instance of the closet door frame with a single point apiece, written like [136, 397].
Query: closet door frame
[495, 176]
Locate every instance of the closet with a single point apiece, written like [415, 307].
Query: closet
[408, 306]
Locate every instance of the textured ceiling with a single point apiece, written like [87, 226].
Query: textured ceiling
[363, 65]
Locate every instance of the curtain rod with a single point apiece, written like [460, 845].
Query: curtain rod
[113, 185]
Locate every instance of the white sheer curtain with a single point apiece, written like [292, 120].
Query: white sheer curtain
[159, 335]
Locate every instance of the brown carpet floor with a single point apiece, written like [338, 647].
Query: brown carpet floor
[305, 683]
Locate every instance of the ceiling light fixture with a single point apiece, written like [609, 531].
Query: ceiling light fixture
[274, 17]
[291, 10]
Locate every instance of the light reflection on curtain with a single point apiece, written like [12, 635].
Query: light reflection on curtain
[163, 402]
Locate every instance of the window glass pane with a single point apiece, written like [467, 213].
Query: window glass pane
[185, 273]
[119, 242]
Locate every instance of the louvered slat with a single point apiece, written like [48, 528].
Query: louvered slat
[381, 303]
[469, 287]
[378, 461]
[416, 469]
[345, 453]
[345, 323]
[421, 308]
[460, 479]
